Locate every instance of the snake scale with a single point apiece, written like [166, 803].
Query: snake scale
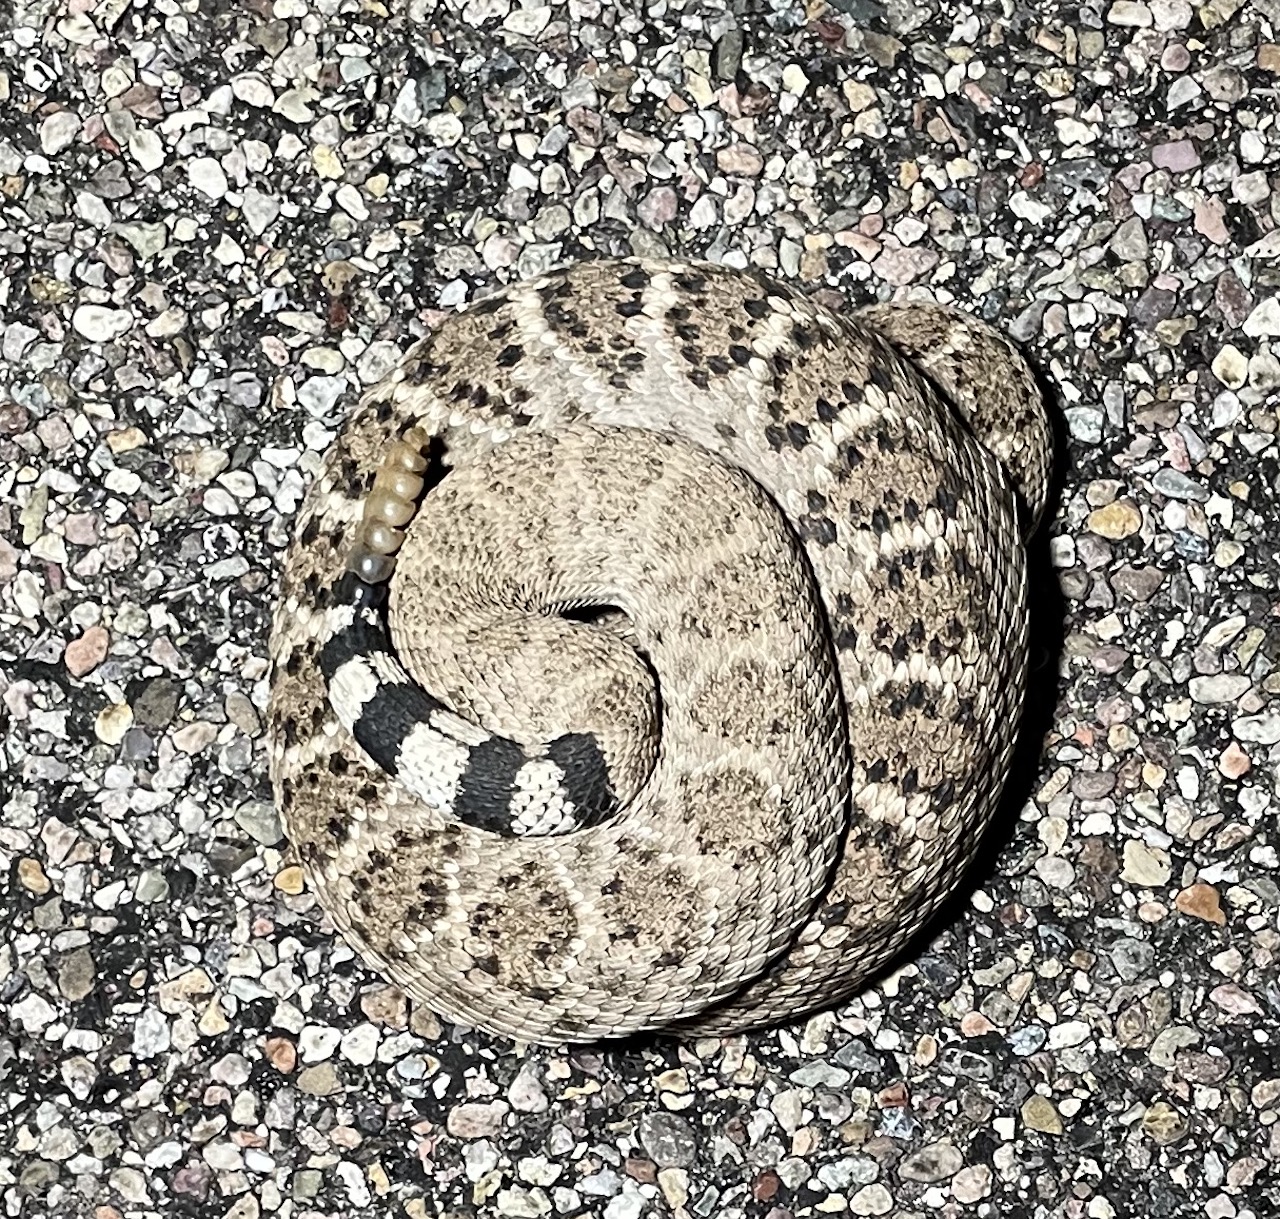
[651, 647]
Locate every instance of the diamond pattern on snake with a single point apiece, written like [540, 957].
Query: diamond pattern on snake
[651, 648]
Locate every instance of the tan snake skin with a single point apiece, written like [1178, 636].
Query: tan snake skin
[805, 679]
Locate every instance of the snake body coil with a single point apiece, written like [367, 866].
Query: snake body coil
[651, 648]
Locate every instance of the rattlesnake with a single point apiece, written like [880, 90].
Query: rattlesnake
[715, 610]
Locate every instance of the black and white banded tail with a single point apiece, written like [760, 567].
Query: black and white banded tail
[484, 780]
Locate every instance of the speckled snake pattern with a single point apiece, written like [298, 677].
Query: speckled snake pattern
[651, 647]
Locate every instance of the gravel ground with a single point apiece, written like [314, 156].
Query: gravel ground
[218, 220]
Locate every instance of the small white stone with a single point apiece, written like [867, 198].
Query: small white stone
[1147, 867]
[259, 210]
[130, 1184]
[227, 251]
[360, 1045]
[348, 198]
[151, 1034]
[58, 130]
[146, 148]
[1219, 688]
[34, 1012]
[1056, 872]
[354, 1183]
[629, 1204]
[91, 208]
[1183, 90]
[207, 176]
[294, 104]
[1264, 320]
[444, 129]
[871, 1199]
[115, 81]
[1171, 14]
[225, 1157]
[794, 79]
[1253, 148]
[1252, 187]
[1126, 12]
[530, 22]
[218, 502]
[112, 722]
[316, 1043]
[240, 483]
[99, 324]
[1231, 367]
[253, 90]
[122, 481]
[406, 109]
[1069, 1033]
[172, 321]
[971, 1183]
[1029, 209]
[1073, 131]
[78, 29]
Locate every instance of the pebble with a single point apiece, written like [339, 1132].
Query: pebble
[146, 148]
[196, 737]
[1129, 13]
[99, 324]
[320, 1080]
[668, 1139]
[1178, 156]
[900, 266]
[207, 176]
[318, 1043]
[526, 1093]
[932, 1163]
[281, 1053]
[740, 160]
[1164, 1124]
[58, 131]
[1219, 688]
[112, 722]
[360, 1045]
[31, 876]
[1201, 901]
[34, 1013]
[1264, 321]
[1115, 521]
[1145, 865]
[1176, 485]
[1231, 366]
[252, 89]
[385, 1005]
[260, 821]
[477, 1120]
[1039, 1114]
[1262, 729]
[151, 1034]
[872, 1199]
[86, 653]
[77, 975]
[290, 880]
[971, 1184]
[1234, 762]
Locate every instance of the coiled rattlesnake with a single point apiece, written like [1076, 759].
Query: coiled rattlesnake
[715, 611]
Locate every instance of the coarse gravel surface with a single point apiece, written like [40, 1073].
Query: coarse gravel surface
[219, 219]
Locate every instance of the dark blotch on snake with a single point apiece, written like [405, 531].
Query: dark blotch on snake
[351, 590]
[353, 642]
[387, 720]
[486, 787]
[586, 777]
